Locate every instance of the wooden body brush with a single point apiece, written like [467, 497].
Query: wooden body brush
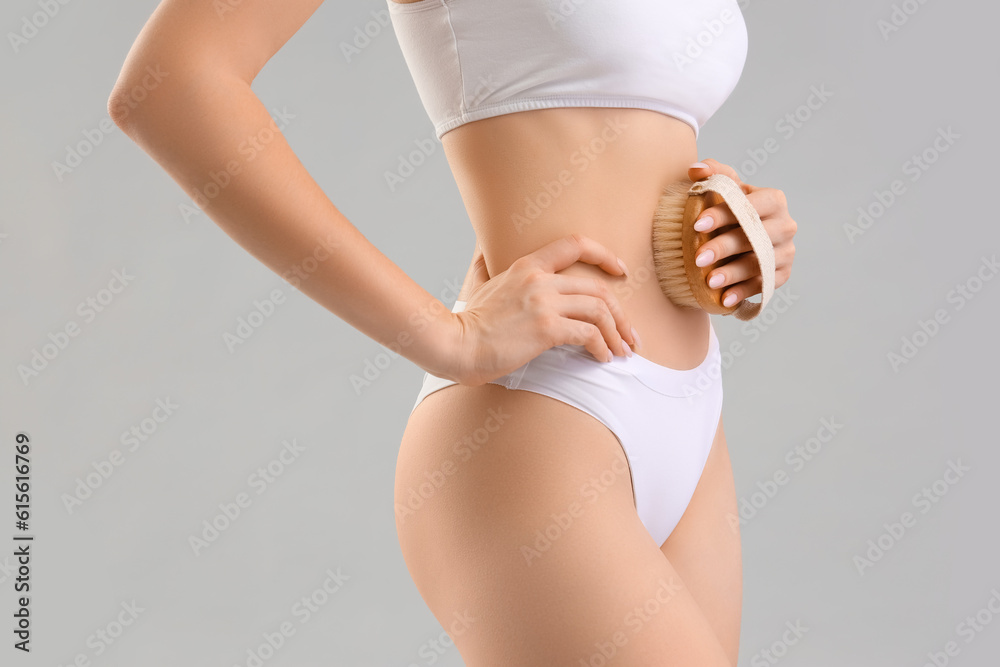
[676, 244]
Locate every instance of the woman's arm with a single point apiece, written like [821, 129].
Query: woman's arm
[205, 126]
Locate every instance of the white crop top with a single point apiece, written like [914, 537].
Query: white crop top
[473, 59]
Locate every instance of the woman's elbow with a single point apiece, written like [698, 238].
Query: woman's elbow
[132, 90]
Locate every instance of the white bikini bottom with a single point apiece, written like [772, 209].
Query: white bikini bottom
[665, 419]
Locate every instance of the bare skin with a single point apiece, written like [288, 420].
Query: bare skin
[616, 162]
[463, 546]
[201, 121]
[553, 280]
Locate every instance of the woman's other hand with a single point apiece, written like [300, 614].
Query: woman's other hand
[514, 316]
[742, 273]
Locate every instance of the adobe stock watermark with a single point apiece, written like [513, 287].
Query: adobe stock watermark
[434, 648]
[787, 126]
[373, 368]
[781, 303]
[264, 309]
[778, 649]
[247, 326]
[699, 44]
[968, 629]
[464, 449]
[924, 500]
[132, 439]
[259, 481]
[76, 153]
[580, 159]
[302, 270]
[107, 635]
[408, 163]
[914, 167]
[797, 458]
[635, 620]
[122, 105]
[899, 16]
[562, 12]
[561, 522]
[926, 330]
[33, 23]
[247, 151]
[364, 35]
[59, 340]
[303, 610]
[7, 569]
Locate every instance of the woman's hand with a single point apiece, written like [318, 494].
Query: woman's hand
[516, 315]
[742, 273]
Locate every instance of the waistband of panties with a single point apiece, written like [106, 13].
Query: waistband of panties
[668, 381]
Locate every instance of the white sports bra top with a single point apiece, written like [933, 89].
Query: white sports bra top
[473, 59]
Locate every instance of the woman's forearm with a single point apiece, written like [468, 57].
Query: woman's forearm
[212, 134]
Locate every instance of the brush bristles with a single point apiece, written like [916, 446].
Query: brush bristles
[668, 253]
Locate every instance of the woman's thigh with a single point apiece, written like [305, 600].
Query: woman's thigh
[705, 550]
[516, 520]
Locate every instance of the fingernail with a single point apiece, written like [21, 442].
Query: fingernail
[628, 350]
[698, 165]
[730, 301]
[611, 356]
[635, 338]
[705, 258]
[624, 268]
[704, 224]
[716, 280]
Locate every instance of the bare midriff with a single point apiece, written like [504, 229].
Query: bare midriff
[531, 177]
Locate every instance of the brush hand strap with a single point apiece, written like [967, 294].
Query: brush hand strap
[760, 242]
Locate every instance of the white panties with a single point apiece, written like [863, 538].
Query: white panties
[665, 419]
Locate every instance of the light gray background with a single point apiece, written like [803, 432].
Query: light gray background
[824, 357]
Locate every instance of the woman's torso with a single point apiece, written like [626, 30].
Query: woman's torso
[561, 118]
[532, 177]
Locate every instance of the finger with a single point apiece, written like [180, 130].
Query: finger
[593, 287]
[724, 169]
[715, 217]
[732, 240]
[739, 269]
[594, 311]
[710, 166]
[713, 167]
[741, 290]
[768, 202]
[745, 267]
[699, 170]
[563, 252]
[577, 332]
[726, 244]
